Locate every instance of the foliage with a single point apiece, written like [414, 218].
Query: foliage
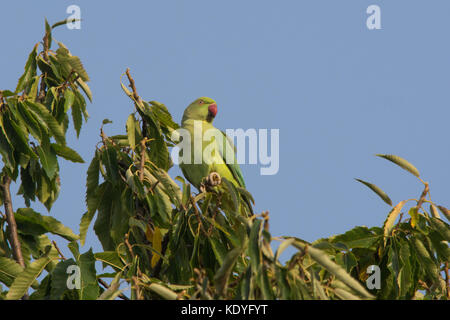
[165, 242]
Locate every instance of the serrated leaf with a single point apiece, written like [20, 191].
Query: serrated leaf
[85, 88]
[59, 279]
[77, 118]
[111, 258]
[69, 98]
[47, 157]
[89, 285]
[67, 153]
[84, 225]
[54, 127]
[30, 70]
[9, 270]
[24, 280]
[31, 222]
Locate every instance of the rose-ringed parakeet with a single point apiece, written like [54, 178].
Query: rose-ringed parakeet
[219, 157]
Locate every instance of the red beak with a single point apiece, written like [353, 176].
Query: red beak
[212, 109]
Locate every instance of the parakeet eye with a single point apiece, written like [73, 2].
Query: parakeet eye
[201, 102]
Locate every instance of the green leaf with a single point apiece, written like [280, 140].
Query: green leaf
[113, 291]
[47, 157]
[69, 98]
[413, 212]
[441, 227]
[9, 270]
[390, 221]
[340, 273]
[425, 259]
[92, 183]
[358, 237]
[71, 62]
[67, 153]
[48, 33]
[30, 70]
[84, 225]
[254, 245]
[109, 159]
[77, 117]
[223, 274]
[111, 258]
[347, 260]
[24, 280]
[377, 190]
[164, 292]
[401, 163]
[54, 127]
[85, 88]
[59, 279]
[31, 122]
[445, 212]
[31, 222]
[89, 285]
[170, 187]
[283, 246]
[131, 130]
[19, 137]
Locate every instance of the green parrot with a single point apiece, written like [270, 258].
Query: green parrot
[199, 115]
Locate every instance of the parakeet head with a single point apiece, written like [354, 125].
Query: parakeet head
[204, 109]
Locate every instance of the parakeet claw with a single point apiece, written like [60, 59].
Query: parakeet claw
[210, 181]
[213, 179]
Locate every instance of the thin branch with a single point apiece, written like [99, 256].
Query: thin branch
[133, 87]
[142, 163]
[423, 195]
[106, 286]
[57, 249]
[13, 234]
[447, 280]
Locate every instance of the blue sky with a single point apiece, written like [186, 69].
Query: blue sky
[338, 92]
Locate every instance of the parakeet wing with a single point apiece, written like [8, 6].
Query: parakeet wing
[231, 163]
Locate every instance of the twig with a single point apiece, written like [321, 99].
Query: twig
[135, 279]
[14, 236]
[59, 251]
[423, 195]
[11, 220]
[133, 87]
[447, 280]
[127, 243]
[142, 163]
[106, 286]
[197, 214]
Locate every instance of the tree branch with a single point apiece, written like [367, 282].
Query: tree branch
[13, 234]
